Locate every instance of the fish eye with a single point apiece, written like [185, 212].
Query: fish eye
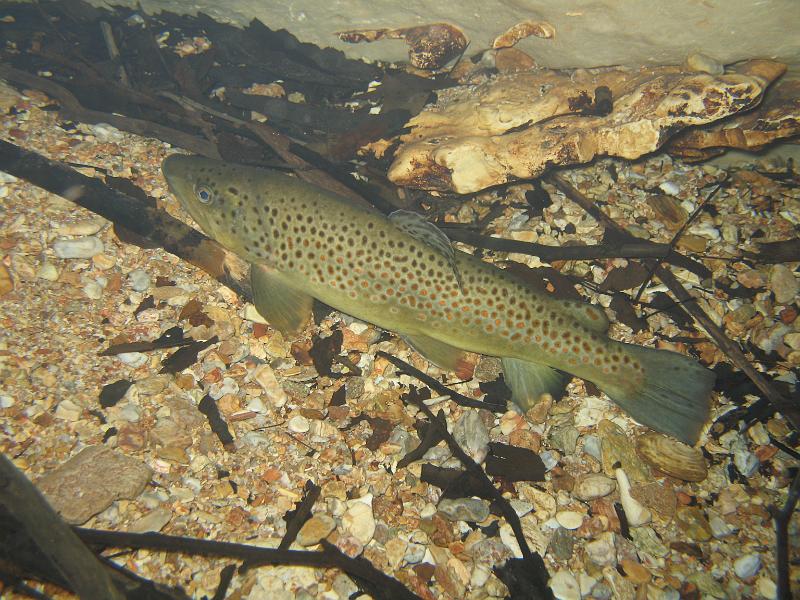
[203, 194]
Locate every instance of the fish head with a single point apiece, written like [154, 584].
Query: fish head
[209, 190]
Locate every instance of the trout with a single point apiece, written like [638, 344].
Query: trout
[402, 274]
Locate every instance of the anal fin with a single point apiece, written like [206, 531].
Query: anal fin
[285, 308]
[529, 380]
[442, 355]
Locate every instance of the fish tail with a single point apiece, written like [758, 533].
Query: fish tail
[664, 390]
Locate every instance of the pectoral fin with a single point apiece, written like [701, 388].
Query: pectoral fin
[442, 355]
[529, 380]
[284, 307]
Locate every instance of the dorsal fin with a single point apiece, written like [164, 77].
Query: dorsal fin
[426, 232]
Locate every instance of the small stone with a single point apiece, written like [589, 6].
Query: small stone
[473, 510]
[668, 209]
[549, 459]
[67, 410]
[472, 435]
[315, 529]
[569, 519]
[562, 544]
[747, 566]
[792, 340]
[93, 290]
[91, 480]
[525, 438]
[82, 228]
[538, 414]
[591, 446]
[564, 438]
[720, 528]
[414, 553]
[659, 497]
[594, 485]
[707, 585]
[564, 586]
[359, 521]
[670, 188]
[132, 359]
[265, 377]
[299, 424]
[48, 271]
[6, 401]
[85, 247]
[103, 261]
[634, 571]
[395, 551]
[767, 588]
[692, 522]
[255, 405]
[692, 242]
[702, 63]
[636, 513]
[746, 462]
[645, 539]
[783, 284]
[139, 280]
[751, 278]
[155, 520]
[601, 550]
[617, 447]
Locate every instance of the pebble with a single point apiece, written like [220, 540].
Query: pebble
[707, 585]
[783, 284]
[48, 271]
[747, 566]
[473, 510]
[564, 438]
[6, 283]
[317, 528]
[751, 278]
[591, 446]
[594, 485]
[85, 247]
[692, 522]
[98, 476]
[414, 553]
[132, 359]
[82, 228]
[601, 550]
[636, 513]
[127, 412]
[720, 528]
[617, 447]
[562, 544]
[67, 410]
[767, 588]
[256, 405]
[299, 424]
[569, 519]
[6, 401]
[670, 188]
[139, 280]
[746, 462]
[472, 435]
[155, 520]
[395, 551]
[564, 586]
[93, 290]
[701, 63]
[549, 459]
[359, 521]
[646, 540]
[265, 377]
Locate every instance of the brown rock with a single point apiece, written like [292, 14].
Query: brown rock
[634, 571]
[524, 438]
[91, 480]
[315, 529]
[658, 497]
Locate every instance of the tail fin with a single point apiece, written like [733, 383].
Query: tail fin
[673, 396]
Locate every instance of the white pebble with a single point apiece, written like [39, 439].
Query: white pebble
[139, 280]
[87, 227]
[85, 247]
[299, 424]
[6, 401]
[636, 513]
[359, 521]
[132, 359]
[747, 566]
[257, 406]
[565, 586]
[767, 588]
[67, 410]
[569, 519]
[549, 460]
[668, 187]
[129, 413]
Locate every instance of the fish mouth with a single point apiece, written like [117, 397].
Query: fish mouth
[174, 169]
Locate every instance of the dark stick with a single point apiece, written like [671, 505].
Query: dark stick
[301, 515]
[87, 577]
[459, 399]
[149, 222]
[782, 518]
[330, 557]
[475, 470]
[737, 357]
[73, 109]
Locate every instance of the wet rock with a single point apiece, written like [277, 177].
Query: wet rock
[672, 457]
[601, 550]
[317, 528]
[85, 247]
[747, 566]
[569, 519]
[298, 424]
[565, 439]
[646, 540]
[591, 446]
[155, 520]
[564, 586]
[562, 544]
[464, 509]
[168, 433]
[359, 521]
[48, 272]
[594, 485]
[617, 447]
[139, 280]
[472, 435]
[701, 63]
[783, 284]
[707, 585]
[91, 480]
[658, 497]
[692, 522]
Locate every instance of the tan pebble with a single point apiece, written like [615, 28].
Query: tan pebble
[692, 243]
[298, 424]
[700, 63]
[672, 457]
[538, 414]
[751, 278]
[103, 261]
[525, 438]
[229, 404]
[569, 519]
[510, 60]
[131, 437]
[315, 529]
[594, 485]
[692, 522]
[6, 283]
[635, 571]
[395, 551]
[48, 271]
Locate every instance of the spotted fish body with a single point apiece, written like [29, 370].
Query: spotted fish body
[309, 243]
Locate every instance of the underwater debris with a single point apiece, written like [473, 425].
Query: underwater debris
[516, 126]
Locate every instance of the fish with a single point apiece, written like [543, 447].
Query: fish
[402, 274]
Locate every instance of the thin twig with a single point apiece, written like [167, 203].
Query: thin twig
[301, 514]
[476, 471]
[782, 517]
